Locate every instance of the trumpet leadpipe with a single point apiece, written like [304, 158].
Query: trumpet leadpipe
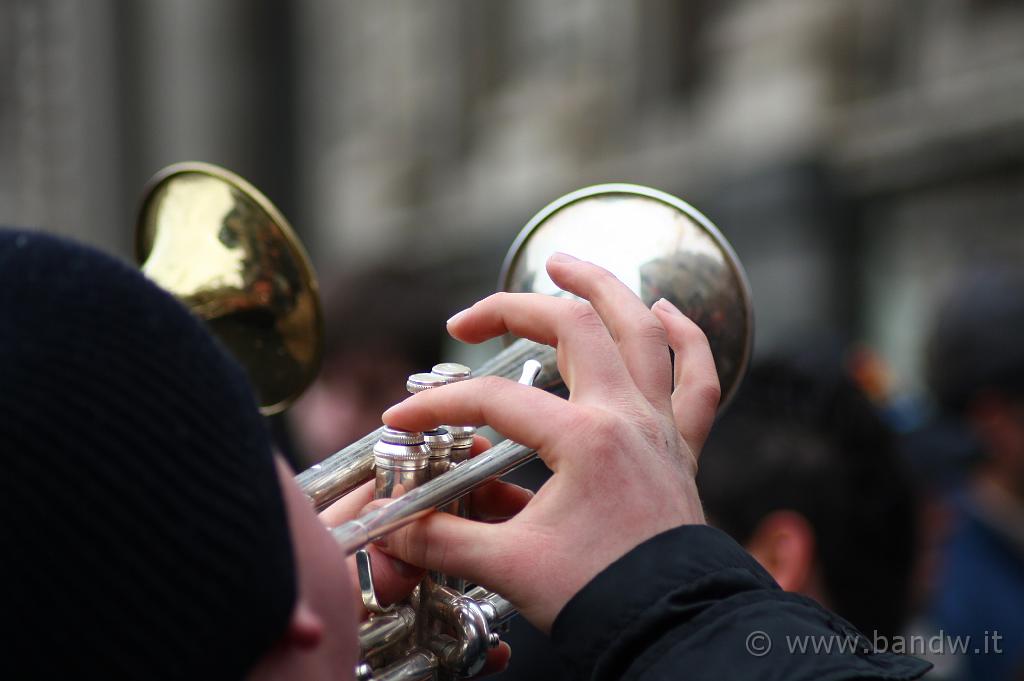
[340, 473]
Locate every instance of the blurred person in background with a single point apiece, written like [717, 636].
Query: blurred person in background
[381, 325]
[975, 367]
[802, 471]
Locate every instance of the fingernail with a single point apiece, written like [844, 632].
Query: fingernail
[456, 317]
[404, 569]
[667, 306]
[563, 258]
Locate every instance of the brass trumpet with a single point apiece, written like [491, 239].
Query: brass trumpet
[214, 241]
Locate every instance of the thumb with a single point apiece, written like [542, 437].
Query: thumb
[448, 544]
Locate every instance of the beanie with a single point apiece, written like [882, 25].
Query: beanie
[144, 534]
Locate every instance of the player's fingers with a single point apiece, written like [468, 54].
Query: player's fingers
[524, 414]
[588, 359]
[498, 500]
[697, 392]
[638, 333]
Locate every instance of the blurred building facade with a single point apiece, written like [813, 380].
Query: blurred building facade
[856, 152]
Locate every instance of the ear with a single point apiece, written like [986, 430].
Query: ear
[305, 628]
[783, 543]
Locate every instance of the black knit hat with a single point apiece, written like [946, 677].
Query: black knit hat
[143, 530]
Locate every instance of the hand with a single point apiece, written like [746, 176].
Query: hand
[394, 579]
[623, 449]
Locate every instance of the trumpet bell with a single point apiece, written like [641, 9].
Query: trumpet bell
[659, 246]
[222, 248]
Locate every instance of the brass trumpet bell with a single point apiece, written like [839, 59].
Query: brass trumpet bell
[222, 248]
[659, 246]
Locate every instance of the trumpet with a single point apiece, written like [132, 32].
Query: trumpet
[218, 244]
[654, 242]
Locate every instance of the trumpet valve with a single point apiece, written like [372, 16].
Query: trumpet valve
[401, 459]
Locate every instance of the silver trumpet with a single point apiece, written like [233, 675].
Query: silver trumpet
[443, 627]
[657, 244]
[214, 241]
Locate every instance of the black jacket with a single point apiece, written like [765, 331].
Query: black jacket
[691, 604]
